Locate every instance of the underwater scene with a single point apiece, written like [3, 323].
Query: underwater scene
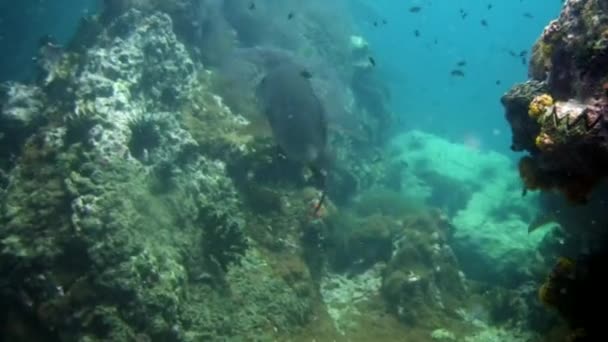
[303, 170]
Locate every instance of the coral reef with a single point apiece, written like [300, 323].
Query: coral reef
[21, 112]
[359, 243]
[419, 281]
[572, 288]
[567, 104]
[138, 205]
[483, 201]
[517, 104]
[559, 117]
[115, 226]
[143, 198]
[342, 294]
[422, 282]
[363, 235]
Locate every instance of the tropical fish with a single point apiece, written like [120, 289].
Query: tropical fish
[457, 73]
[295, 113]
[463, 13]
[296, 116]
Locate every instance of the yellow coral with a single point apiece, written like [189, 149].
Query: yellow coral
[539, 105]
[538, 141]
[543, 141]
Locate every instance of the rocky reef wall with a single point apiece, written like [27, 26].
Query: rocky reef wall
[137, 205]
[559, 117]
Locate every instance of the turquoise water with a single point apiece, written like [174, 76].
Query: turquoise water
[418, 70]
[22, 24]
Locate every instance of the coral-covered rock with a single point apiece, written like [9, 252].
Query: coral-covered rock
[342, 294]
[567, 138]
[568, 152]
[115, 224]
[136, 65]
[422, 283]
[574, 285]
[482, 197]
[21, 104]
[517, 101]
[22, 111]
[356, 243]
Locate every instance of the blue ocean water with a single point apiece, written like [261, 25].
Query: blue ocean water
[418, 68]
[24, 23]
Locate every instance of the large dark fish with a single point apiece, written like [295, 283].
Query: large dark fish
[295, 113]
[297, 118]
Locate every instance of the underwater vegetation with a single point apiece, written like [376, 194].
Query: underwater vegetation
[232, 170]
